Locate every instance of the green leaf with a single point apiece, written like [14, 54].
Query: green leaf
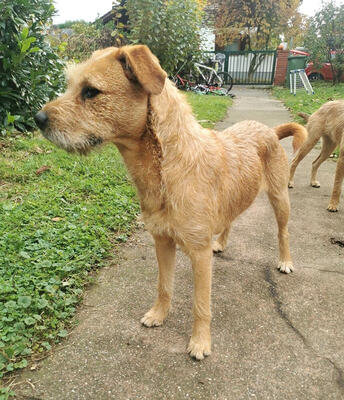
[42, 303]
[63, 333]
[24, 301]
[10, 367]
[24, 33]
[46, 345]
[9, 351]
[29, 321]
[21, 364]
[34, 49]
[26, 44]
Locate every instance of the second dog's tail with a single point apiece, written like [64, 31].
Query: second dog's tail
[298, 132]
[304, 116]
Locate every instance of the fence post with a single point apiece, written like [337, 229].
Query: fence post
[281, 67]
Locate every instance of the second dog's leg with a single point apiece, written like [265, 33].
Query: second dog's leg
[327, 148]
[338, 180]
[221, 242]
[165, 251]
[303, 151]
[280, 204]
[200, 342]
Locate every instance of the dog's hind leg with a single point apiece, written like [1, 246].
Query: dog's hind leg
[165, 251]
[303, 151]
[280, 204]
[338, 180]
[276, 175]
[220, 243]
[327, 148]
[200, 342]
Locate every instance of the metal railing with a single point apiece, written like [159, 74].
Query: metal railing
[250, 67]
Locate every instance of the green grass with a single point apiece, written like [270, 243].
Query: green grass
[323, 92]
[56, 227]
[208, 108]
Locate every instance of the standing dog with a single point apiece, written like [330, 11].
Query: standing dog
[192, 182]
[326, 123]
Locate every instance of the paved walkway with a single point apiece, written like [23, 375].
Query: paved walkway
[274, 336]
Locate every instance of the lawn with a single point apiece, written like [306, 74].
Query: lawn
[323, 92]
[60, 216]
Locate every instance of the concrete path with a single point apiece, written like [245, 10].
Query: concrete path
[274, 336]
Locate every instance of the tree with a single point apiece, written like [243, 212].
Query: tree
[258, 23]
[325, 38]
[169, 27]
[30, 71]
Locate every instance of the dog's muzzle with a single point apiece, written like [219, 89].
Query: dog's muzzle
[41, 119]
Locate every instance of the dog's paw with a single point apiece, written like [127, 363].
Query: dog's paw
[290, 184]
[285, 266]
[332, 207]
[217, 247]
[315, 184]
[153, 318]
[199, 348]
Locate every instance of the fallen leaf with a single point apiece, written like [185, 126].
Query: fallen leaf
[38, 150]
[33, 367]
[55, 219]
[42, 169]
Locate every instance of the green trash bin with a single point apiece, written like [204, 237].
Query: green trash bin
[295, 62]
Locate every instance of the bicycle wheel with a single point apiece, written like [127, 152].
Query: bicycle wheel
[227, 81]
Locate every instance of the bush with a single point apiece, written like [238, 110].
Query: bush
[86, 38]
[31, 72]
[169, 28]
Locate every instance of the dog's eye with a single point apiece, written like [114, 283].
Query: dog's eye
[89, 92]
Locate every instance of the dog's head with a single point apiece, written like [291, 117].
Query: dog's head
[105, 101]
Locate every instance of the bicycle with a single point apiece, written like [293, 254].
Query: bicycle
[182, 83]
[210, 77]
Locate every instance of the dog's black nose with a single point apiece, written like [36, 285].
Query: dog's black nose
[41, 119]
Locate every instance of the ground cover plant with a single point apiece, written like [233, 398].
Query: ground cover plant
[302, 102]
[60, 215]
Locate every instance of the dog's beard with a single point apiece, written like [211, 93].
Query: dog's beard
[83, 145]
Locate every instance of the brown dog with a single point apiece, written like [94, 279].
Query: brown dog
[192, 182]
[326, 123]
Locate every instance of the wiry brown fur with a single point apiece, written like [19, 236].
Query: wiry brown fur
[192, 182]
[326, 123]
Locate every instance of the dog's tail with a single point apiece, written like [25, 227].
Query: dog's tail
[298, 132]
[304, 116]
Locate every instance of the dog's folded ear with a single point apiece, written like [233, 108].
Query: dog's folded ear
[141, 65]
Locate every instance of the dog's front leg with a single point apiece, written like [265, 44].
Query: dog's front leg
[338, 180]
[200, 342]
[165, 249]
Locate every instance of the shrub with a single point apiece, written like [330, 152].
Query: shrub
[31, 72]
[86, 38]
[169, 28]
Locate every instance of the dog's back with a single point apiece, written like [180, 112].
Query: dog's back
[329, 119]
